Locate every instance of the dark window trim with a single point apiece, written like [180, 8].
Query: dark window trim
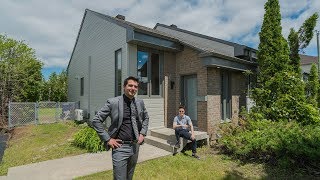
[117, 90]
[82, 86]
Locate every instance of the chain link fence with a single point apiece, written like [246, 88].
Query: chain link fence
[22, 113]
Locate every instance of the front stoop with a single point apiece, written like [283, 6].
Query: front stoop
[165, 138]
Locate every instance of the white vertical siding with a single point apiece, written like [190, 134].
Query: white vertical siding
[132, 59]
[155, 108]
[99, 39]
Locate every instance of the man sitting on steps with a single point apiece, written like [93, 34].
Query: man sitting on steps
[181, 124]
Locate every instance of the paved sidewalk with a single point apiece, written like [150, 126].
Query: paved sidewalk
[75, 166]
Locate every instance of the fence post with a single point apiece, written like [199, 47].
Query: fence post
[9, 115]
[57, 111]
[36, 112]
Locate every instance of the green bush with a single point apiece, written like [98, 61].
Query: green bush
[282, 99]
[88, 139]
[269, 140]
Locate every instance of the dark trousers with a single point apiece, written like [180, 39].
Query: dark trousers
[184, 133]
[124, 161]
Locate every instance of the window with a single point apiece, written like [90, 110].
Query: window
[226, 96]
[118, 72]
[253, 54]
[149, 71]
[82, 86]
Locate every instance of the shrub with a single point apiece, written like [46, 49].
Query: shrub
[88, 139]
[270, 140]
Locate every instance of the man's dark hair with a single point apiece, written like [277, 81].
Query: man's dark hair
[182, 107]
[125, 82]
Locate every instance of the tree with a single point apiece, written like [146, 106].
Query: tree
[300, 40]
[55, 89]
[20, 74]
[293, 40]
[273, 54]
[312, 86]
[279, 94]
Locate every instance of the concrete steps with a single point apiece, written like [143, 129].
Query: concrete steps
[165, 139]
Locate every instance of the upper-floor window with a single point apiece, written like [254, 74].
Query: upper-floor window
[253, 54]
[82, 86]
[118, 72]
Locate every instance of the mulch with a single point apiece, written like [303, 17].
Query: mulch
[4, 137]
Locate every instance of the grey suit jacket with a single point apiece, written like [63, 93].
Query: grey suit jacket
[114, 108]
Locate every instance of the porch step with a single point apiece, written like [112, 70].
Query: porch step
[158, 142]
[164, 138]
[164, 133]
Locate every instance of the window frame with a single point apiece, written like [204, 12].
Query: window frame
[82, 86]
[117, 78]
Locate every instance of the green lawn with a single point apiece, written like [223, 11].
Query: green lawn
[211, 166]
[48, 115]
[35, 143]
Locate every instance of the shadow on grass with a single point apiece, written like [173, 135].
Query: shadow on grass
[275, 169]
[276, 173]
[234, 175]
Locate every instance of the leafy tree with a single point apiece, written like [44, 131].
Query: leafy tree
[293, 40]
[273, 54]
[279, 94]
[55, 89]
[306, 31]
[20, 73]
[300, 40]
[312, 86]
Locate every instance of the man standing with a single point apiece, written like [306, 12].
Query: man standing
[129, 126]
[181, 123]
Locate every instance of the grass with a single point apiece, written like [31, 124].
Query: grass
[183, 166]
[211, 166]
[35, 143]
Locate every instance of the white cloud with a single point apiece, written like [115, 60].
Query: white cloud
[51, 27]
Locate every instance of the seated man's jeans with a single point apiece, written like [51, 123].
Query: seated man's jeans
[186, 135]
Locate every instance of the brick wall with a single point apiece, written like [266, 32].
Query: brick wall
[189, 63]
[213, 101]
[169, 70]
[238, 91]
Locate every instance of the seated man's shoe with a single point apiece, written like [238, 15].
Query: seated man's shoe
[195, 156]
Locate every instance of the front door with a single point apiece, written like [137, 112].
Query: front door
[148, 66]
[189, 97]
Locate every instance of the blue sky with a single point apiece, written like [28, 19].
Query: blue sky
[51, 27]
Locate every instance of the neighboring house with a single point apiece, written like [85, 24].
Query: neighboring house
[306, 63]
[175, 66]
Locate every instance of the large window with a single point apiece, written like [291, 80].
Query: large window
[118, 72]
[149, 72]
[82, 86]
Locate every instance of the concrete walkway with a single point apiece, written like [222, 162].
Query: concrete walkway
[75, 166]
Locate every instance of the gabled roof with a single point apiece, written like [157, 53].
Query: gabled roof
[134, 26]
[307, 60]
[206, 51]
[174, 27]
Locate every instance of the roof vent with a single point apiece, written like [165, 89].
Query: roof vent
[173, 25]
[122, 17]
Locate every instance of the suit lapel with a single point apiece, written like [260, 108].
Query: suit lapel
[138, 109]
[120, 110]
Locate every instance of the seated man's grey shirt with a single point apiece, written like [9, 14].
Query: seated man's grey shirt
[184, 120]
